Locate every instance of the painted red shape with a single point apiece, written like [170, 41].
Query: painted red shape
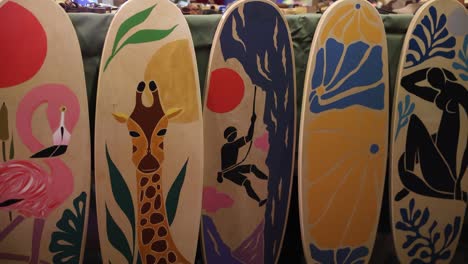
[226, 90]
[23, 45]
[214, 200]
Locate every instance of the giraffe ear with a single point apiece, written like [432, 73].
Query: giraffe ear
[173, 112]
[120, 117]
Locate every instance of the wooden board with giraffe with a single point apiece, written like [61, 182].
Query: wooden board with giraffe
[149, 137]
[343, 135]
[45, 155]
[249, 128]
[428, 190]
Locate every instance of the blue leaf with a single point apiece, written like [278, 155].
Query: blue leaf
[417, 214]
[415, 249]
[402, 226]
[432, 227]
[456, 228]
[424, 254]
[404, 215]
[409, 240]
[411, 206]
[436, 238]
[445, 255]
[322, 256]
[425, 217]
[410, 109]
[447, 233]
[341, 254]
[400, 109]
[357, 254]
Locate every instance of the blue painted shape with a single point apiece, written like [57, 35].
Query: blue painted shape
[404, 112]
[462, 61]
[216, 251]
[251, 41]
[423, 244]
[357, 72]
[339, 256]
[433, 33]
[374, 148]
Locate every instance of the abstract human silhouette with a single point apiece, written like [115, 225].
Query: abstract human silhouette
[232, 169]
[147, 127]
[435, 154]
[25, 186]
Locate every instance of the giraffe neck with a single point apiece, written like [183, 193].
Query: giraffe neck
[154, 240]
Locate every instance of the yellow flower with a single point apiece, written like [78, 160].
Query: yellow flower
[4, 133]
[353, 22]
[344, 175]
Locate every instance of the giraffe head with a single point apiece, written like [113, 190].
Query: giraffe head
[147, 127]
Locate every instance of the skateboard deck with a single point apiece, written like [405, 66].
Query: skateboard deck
[149, 137]
[429, 135]
[249, 129]
[344, 134]
[45, 161]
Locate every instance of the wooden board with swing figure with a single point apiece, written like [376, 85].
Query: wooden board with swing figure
[45, 171]
[429, 140]
[149, 139]
[344, 134]
[249, 128]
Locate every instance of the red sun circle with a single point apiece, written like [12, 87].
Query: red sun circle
[225, 91]
[23, 45]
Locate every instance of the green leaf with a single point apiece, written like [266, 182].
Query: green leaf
[130, 23]
[121, 192]
[66, 243]
[174, 193]
[117, 238]
[12, 148]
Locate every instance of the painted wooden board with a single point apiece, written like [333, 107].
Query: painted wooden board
[344, 134]
[44, 133]
[249, 117]
[149, 137]
[429, 140]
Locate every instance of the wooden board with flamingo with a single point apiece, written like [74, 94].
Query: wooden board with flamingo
[249, 121]
[149, 137]
[343, 135]
[429, 140]
[44, 132]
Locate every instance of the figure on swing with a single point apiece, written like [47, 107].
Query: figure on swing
[233, 170]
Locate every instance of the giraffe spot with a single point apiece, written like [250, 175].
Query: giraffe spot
[162, 231]
[156, 218]
[143, 221]
[144, 181]
[141, 196]
[158, 186]
[147, 235]
[161, 145]
[157, 202]
[150, 259]
[134, 149]
[162, 261]
[159, 246]
[150, 192]
[171, 257]
[145, 208]
[156, 178]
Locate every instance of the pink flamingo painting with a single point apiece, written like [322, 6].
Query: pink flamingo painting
[25, 186]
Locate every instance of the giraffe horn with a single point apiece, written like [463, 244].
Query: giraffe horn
[120, 117]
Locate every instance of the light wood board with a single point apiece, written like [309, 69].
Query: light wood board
[343, 136]
[149, 137]
[248, 175]
[44, 135]
[429, 135]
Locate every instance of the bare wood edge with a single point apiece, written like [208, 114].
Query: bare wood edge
[99, 94]
[216, 36]
[397, 91]
[314, 47]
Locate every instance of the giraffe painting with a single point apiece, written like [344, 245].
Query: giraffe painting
[147, 127]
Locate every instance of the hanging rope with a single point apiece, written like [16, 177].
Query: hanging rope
[251, 140]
